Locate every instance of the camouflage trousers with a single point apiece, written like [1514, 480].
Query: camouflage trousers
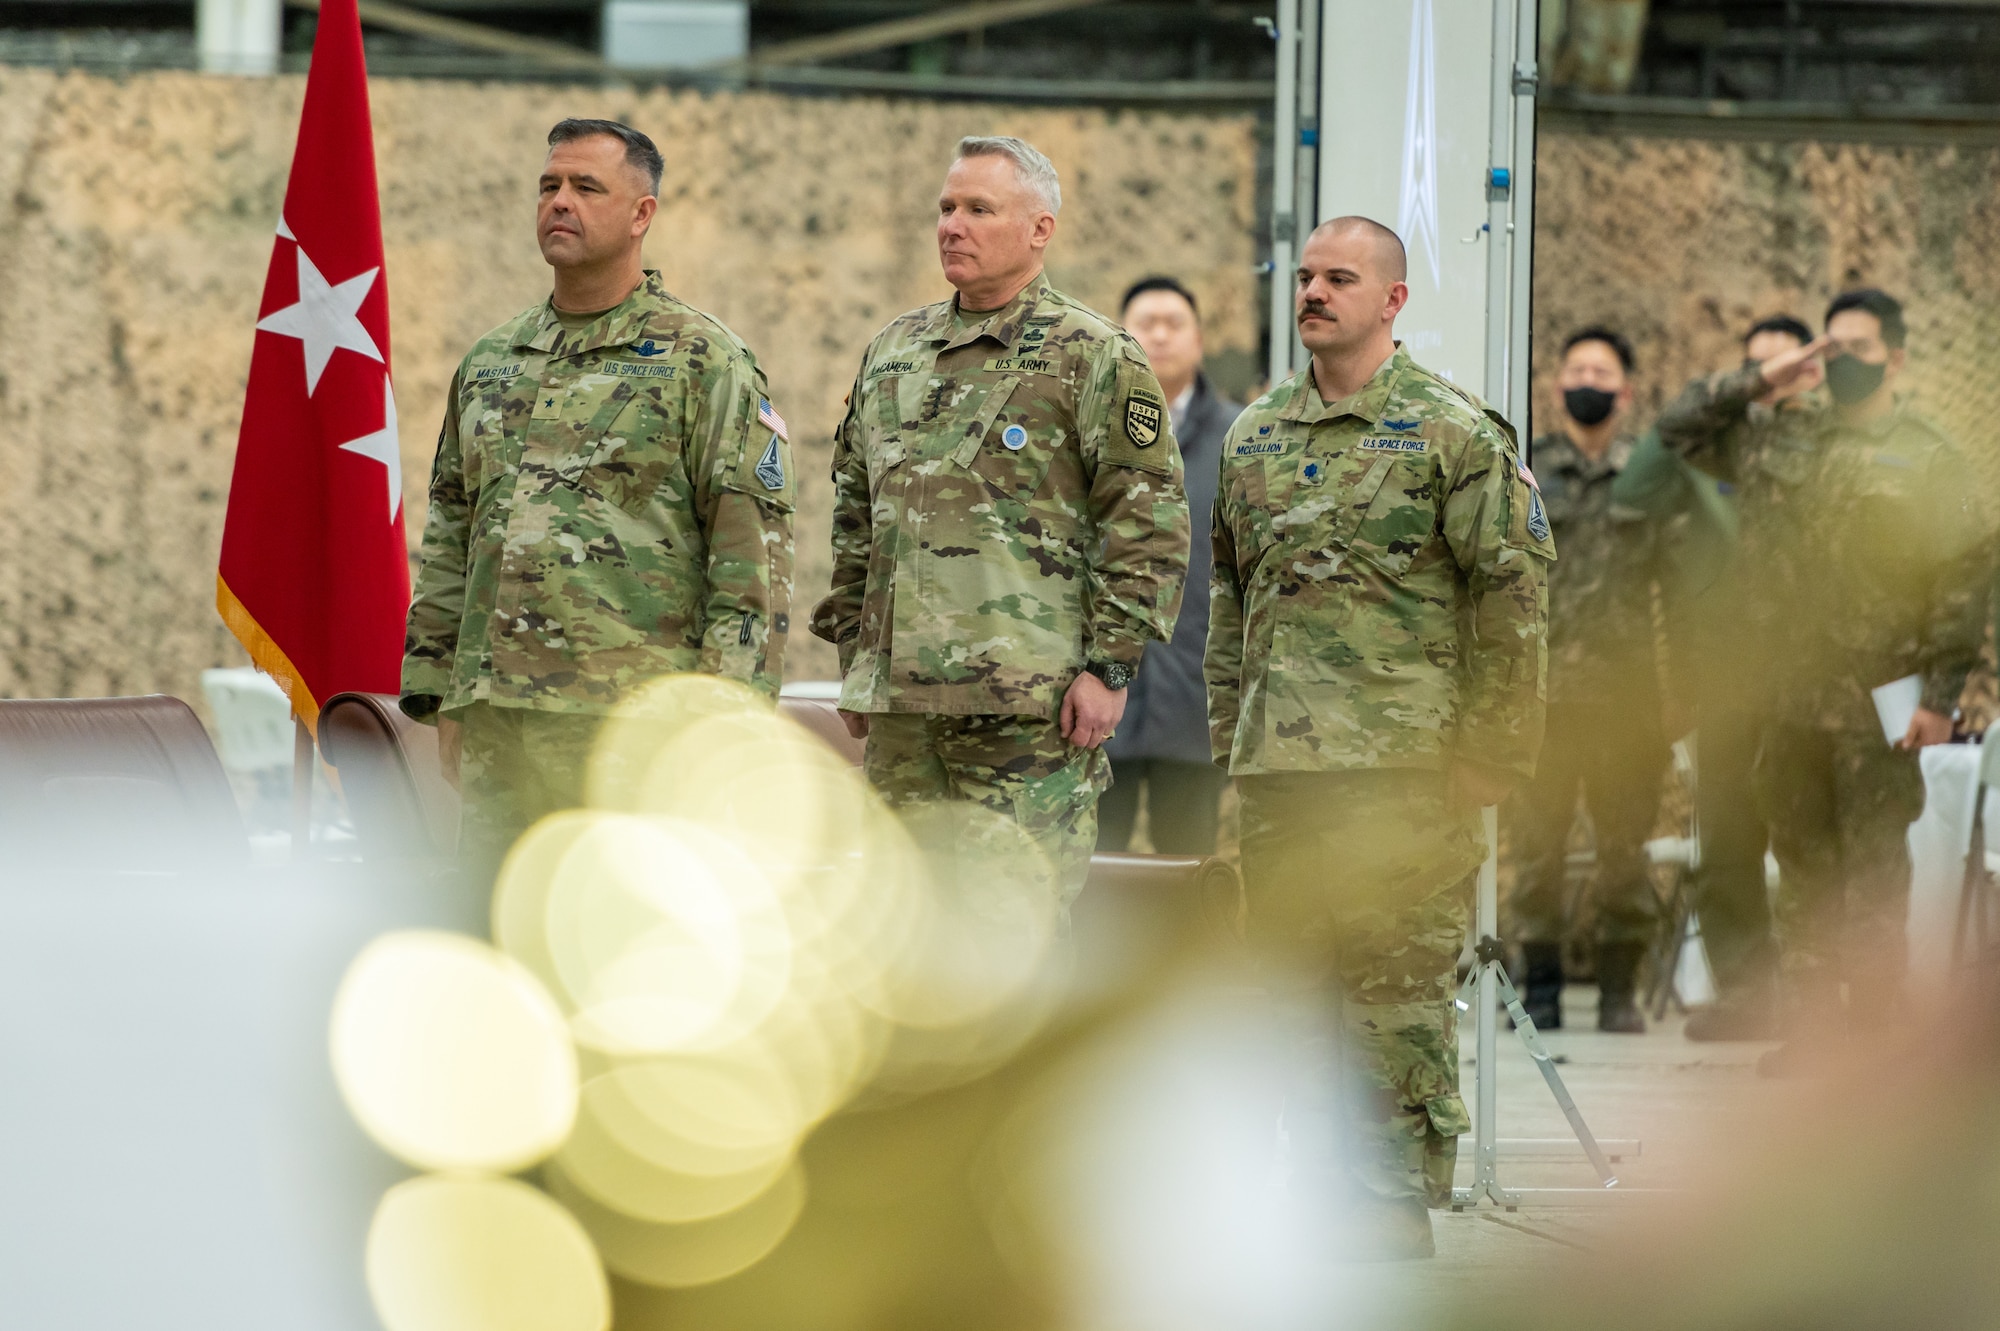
[1840, 805]
[1020, 766]
[1360, 894]
[516, 766]
[1614, 755]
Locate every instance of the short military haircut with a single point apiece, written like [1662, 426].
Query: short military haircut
[1159, 283]
[1610, 337]
[1037, 172]
[640, 153]
[1389, 251]
[1888, 311]
[1780, 323]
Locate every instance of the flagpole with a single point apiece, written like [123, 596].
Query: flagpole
[302, 788]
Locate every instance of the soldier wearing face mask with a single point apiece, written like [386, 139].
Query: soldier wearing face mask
[1866, 554]
[1604, 736]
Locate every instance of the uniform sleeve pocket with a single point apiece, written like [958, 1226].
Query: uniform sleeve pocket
[1139, 434]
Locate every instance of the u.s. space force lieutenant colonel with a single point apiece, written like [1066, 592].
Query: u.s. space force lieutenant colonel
[1009, 528]
[611, 502]
[1377, 652]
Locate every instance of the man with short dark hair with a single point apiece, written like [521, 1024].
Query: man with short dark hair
[1374, 666]
[1009, 529]
[1159, 757]
[1604, 736]
[1703, 578]
[611, 502]
[1870, 555]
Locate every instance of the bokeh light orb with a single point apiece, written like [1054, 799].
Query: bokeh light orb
[451, 1055]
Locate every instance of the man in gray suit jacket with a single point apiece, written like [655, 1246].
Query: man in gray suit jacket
[1159, 754]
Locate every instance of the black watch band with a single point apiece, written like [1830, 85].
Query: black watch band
[1114, 675]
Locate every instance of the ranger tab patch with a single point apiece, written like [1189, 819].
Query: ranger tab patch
[771, 467]
[1142, 421]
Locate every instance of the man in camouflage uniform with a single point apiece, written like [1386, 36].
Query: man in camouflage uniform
[1870, 559]
[1376, 656]
[611, 501]
[1703, 578]
[1009, 527]
[1604, 733]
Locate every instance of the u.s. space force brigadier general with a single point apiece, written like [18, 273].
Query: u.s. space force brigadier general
[1376, 661]
[611, 502]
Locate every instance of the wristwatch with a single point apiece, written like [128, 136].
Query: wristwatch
[1114, 675]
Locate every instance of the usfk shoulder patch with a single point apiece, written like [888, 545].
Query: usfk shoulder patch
[1384, 443]
[1142, 421]
[771, 467]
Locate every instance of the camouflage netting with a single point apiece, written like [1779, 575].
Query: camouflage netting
[135, 226]
[136, 219]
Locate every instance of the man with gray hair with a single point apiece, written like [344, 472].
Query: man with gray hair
[1009, 527]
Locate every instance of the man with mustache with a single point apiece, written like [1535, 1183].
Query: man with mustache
[1604, 727]
[1377, 650]
[1009, 528]
[612, 501]
[1872, 559]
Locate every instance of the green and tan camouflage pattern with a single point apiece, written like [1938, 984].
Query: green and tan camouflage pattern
[1865, 550]
[1007, 507]
[1380, 588]
[606, 507]
[1601, 640]
[1017, 766]
[1359, 886]
[516, 766]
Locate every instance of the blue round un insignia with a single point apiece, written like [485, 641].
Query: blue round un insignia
[1015, 437]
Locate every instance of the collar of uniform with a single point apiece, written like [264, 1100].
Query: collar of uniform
[1371, 403]
[1003, 325]
[1558, 452]
[617, 326]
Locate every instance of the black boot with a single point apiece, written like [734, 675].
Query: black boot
[1617, 979]
[1542, 984]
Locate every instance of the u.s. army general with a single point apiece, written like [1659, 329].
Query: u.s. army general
[1009, 527]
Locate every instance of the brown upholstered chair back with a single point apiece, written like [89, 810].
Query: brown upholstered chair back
[114, 783]
[823, 719]
[401, 805]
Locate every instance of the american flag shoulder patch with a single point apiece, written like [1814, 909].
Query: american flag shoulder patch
[768, 414]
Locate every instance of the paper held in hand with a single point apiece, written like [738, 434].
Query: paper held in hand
[1896, 704]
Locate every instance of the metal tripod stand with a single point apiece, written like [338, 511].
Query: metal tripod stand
[1487, 981]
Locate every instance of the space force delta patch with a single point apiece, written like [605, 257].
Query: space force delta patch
[1395, 444]
[771, 467]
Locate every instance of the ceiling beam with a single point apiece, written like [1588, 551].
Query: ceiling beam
[940, 22]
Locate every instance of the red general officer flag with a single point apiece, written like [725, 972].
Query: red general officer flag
[315, 577]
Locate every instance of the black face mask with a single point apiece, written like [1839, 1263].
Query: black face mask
[1588, 406]
[1850, 380]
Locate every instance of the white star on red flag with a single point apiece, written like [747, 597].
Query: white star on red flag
[323, 318]
[384, 447]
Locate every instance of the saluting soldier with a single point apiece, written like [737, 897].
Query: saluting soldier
[612, 501]
[1009, 527]
[1377, 651]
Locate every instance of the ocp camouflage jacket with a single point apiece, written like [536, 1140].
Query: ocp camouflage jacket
[1380, 590]
[1007, 507]
[608, 505]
